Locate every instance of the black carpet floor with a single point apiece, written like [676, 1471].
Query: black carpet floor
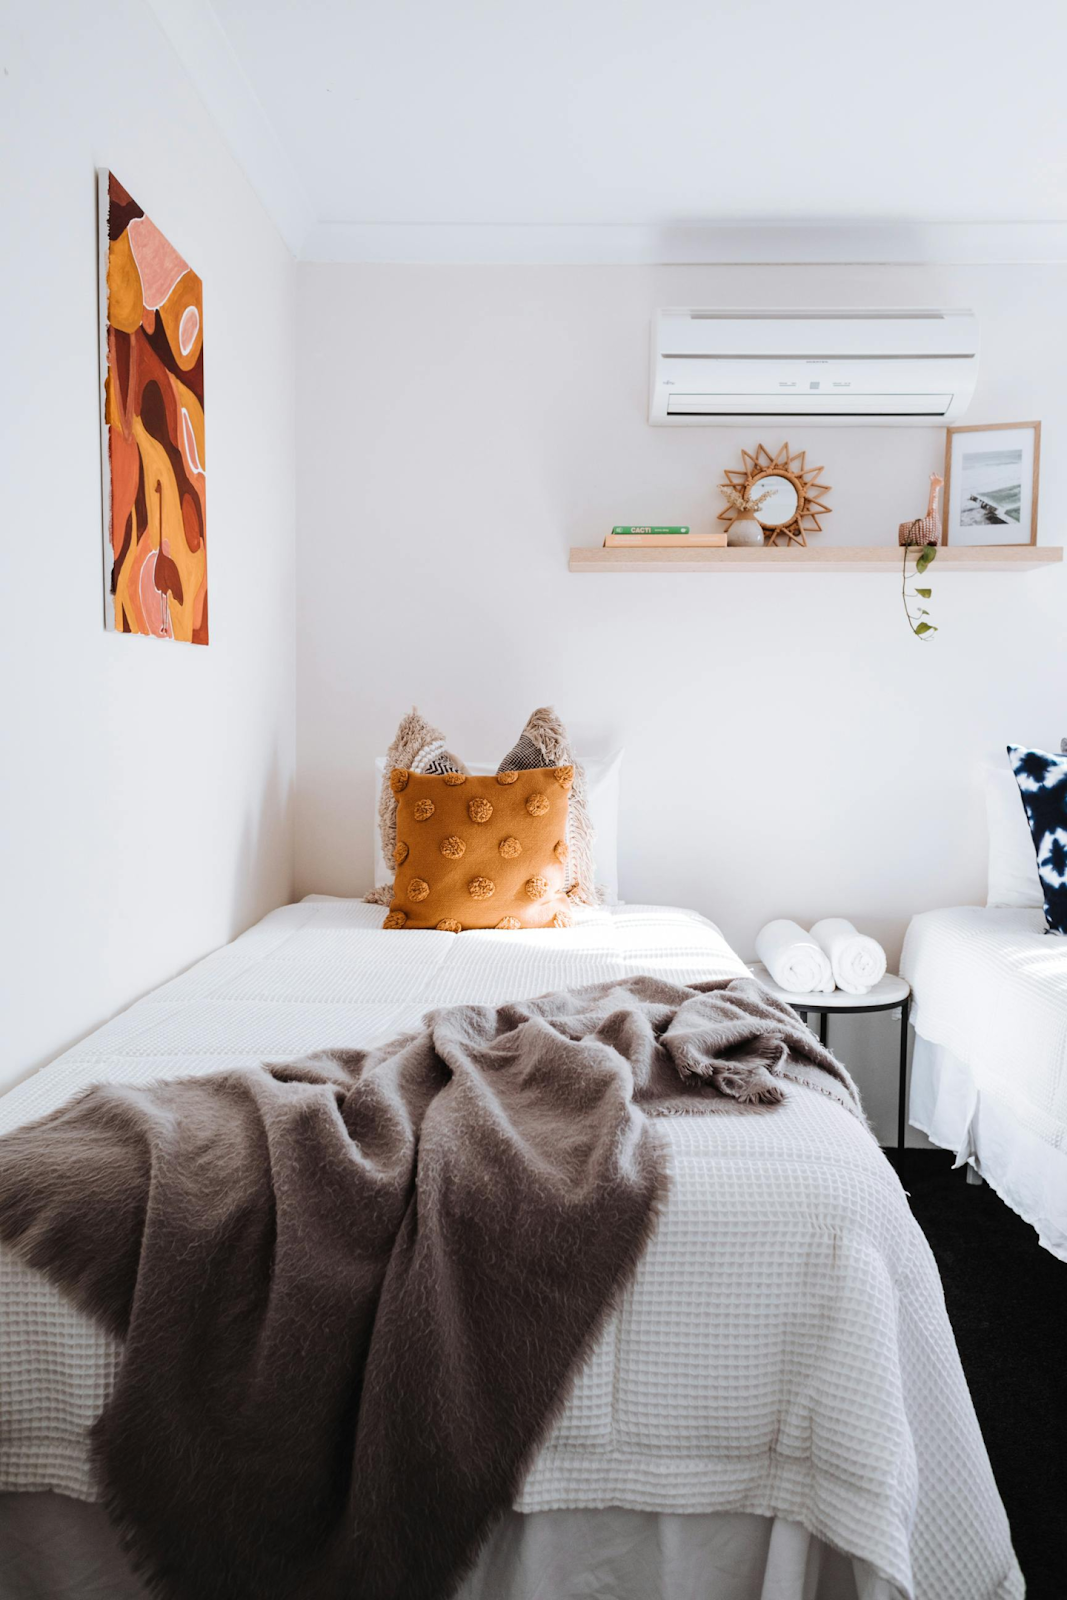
[1007, 1299]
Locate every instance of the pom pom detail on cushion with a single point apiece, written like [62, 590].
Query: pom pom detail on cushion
[560, 920]
[559, 850]
[537, 805]
[544, 747]
[417, 747]
[449, 925]
[395, 919]
[480, 809]
[509, 922]
[564, 776]
[544, 742]
[398, 780]
[477, 876]
[400, 854]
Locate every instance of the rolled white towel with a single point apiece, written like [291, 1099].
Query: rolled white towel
[794, 959]
[858, 962]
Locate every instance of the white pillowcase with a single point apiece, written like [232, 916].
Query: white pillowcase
[1013, 875]
[602, 790]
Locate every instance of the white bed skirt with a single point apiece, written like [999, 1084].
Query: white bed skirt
[1028, 1174]
[52, 1548]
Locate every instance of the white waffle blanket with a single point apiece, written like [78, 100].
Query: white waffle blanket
[783, 1349]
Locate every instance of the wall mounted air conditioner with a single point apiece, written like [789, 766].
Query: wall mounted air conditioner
[844, 367]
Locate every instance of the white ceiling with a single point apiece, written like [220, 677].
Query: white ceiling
[483, 118]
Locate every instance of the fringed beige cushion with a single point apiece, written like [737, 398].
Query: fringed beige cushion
[544, 743]
[417, 747]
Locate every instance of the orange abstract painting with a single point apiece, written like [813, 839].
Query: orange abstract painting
[152, 363]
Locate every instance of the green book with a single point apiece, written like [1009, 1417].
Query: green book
[618, 532]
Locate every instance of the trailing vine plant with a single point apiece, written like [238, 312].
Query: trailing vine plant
[917, 621]
[925, 532]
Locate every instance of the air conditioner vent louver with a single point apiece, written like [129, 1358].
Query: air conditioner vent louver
[821, 355]
[915, 365]
[816, 316]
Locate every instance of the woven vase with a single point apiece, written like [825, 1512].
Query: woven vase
[923, 530]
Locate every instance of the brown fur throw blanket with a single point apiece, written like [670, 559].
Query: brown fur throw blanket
[352, 1289]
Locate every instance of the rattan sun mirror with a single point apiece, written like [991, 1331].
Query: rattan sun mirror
[793, 506]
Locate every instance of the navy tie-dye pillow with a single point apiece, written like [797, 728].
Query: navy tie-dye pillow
[1042, 781]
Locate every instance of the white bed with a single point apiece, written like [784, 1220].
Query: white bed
[779, 1385]
[989, 1074]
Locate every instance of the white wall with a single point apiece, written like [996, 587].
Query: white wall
[791, 749]
[146, 795]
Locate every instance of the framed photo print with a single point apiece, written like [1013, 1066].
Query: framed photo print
[991, 484]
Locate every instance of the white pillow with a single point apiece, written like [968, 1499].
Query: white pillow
[602, 789]
[1013, 875]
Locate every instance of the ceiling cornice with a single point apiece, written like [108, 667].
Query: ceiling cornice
[205, 51]
[772, 244]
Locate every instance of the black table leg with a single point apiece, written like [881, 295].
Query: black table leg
[824, 1026]
[905, 1007]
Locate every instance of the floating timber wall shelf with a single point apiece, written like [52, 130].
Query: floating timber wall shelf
[817, 558]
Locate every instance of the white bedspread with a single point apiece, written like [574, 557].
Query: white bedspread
[783, 1350]
[991, 986]
[989, 1075]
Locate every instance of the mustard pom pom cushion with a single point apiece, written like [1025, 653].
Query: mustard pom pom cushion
[543, 746]
[481, 854]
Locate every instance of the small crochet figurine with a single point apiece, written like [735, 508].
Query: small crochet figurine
[925, 530]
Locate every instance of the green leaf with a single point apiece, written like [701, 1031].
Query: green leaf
[924, 593]
[925, 627]
[928, 554]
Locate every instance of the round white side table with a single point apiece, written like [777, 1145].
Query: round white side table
[886, 995]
